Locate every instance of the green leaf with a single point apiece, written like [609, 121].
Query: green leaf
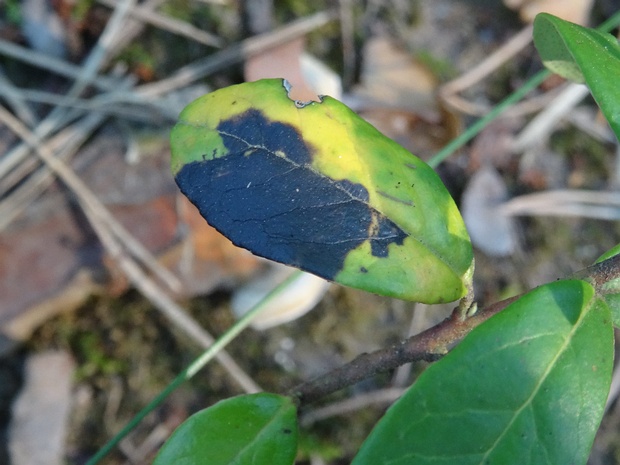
[582, 55]
[256, 429]
[615, 250]
[611, 289]
[526, 387]
[314, 186]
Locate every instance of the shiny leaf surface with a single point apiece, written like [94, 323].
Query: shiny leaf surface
[255, 429]
[528, 386]
[314, 186]
[582, 55]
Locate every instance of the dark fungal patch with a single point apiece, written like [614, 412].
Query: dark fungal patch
[356, 190]
[380, 229]
[252, 130]
[264, 196]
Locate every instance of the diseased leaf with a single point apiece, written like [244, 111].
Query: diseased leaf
[527, 387]
[256, 429]
[314, 186]
[582, 55]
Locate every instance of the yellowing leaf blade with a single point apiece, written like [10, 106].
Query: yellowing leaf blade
[316, 187]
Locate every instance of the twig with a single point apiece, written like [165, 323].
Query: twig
[600, 273]
[429, 345]
[584, 119]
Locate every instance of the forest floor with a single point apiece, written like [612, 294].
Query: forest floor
[95, 238]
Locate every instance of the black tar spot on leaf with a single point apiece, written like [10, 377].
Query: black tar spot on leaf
[265, 196]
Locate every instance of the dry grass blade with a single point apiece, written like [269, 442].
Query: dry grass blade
[27, 191]
[17, 172]
[87, 73]
[119, 244]
[490, 64]
[38, 183]
[449, 92]
[51, 64]
[347, 27]
[102, 50]
[140, 453]
[236, 53]
[63, 145]
[566, 202]
[170, 24]
[16, 101]
[133, 27]
[93, 210]
[540, 128]
[109, 104]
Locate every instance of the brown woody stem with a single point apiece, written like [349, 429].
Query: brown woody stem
[429, 345]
